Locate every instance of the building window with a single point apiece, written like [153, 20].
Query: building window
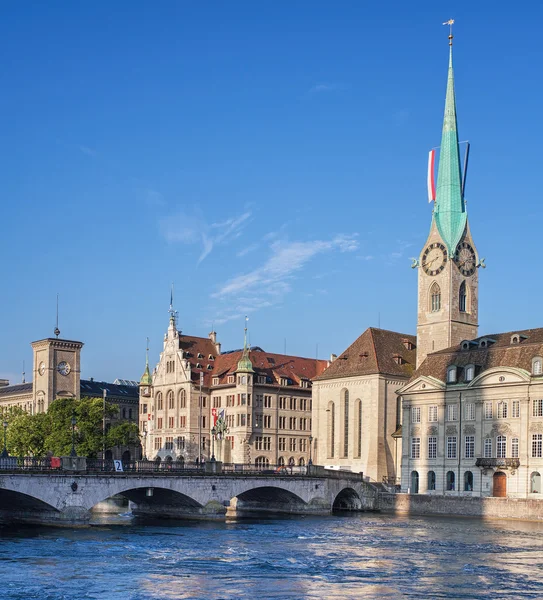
[515, 410]
[303, 445]
[470, 411]
[487, 450]
[267, 401]
[331, 428]
[501, 446]
[215, 381]
[432, 447]
[462, 297]
[537, 445]
[537, 364]
[468, 481]
[537, 408]
[282, 444]
[514, 448]
[502, 410]
[535, 483]
[358, 409]
[415, 447]
[159, 423]
[292, 444]
[432, 414]
[169, 443]
[469, 373]
[171, 422]
[415, 414]
[346, 423]
[292, 423]
[451, 447]
[267, 421]
[282, 422]
[262, 462]
[450, 481]
[452, 412]
[182, 399]
[158, 443]
[435, 298]
[414, 482]
[488, 410]
[469, 449]
[451, 374]
[431, 481]
[159, 402]
[231, 379]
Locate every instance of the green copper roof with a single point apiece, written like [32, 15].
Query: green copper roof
[146, 378]
[449, 210]
[244, 363]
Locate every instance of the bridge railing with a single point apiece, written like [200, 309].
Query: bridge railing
[97, 465]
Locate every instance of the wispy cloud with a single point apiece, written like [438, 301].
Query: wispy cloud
[399, 252]
[247, 250]
[326, 87]
[267, 285]
[193, 229]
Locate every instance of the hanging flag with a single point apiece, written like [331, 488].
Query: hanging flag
[431, 180]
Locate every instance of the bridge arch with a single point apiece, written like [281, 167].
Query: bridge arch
[15, 501]
[347, 500]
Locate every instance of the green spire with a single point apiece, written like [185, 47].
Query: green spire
[146, 378]
[450, 211]
[244, 363]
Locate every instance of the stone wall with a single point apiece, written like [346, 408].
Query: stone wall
[491, 508]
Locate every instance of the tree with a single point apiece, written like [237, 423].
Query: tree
[123, 434]
[27, 434]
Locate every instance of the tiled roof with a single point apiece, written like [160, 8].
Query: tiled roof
[501, 352]
[197, 351]
[95, 389]
[16, 390]
[376, 351]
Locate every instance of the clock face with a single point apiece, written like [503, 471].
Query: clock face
[434, 259]
[63, 368]
[465, 259]
[41, 368]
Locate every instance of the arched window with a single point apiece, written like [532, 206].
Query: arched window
[346, 423]
[537, 366]
[182, 399]
[535, 483]
[171, 402]
[451, 374]
[469, 373]
[462, 297]
[414, 482]
[291, 461]
[435, 297]
[468, 481]
[501, 446]
[331, 412]
[301, 462]
[159, 402]
[262, 461]
[358, 416]
[431, 480]
[281, 461]
[450, 481]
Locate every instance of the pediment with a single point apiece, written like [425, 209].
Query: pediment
[500, 376]
[423, 383]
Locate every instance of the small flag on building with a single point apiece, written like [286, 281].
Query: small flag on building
[431, 179]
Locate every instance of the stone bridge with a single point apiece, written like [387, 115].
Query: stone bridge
[68, 498]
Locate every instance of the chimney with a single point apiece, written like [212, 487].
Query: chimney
[333, 357]
[213, 336]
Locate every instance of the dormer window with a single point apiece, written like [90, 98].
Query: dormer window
[408, 344]
[515, 339]
[284, 381]
[537, 366]
[211, 357]
[200, 355]
[261, 379]
[451, 374]
[198, 366]
[486, 342]
[209, 367]
[231, 379]
[397, 358]
[215, 381]
[469, 373]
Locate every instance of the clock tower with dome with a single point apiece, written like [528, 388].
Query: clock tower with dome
[448, 263]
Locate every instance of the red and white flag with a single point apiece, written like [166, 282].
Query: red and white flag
[431, 179]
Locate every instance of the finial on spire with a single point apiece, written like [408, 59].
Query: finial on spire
[24, 380]
[245, 333]
[450, 23]
[146, 378]
[171, 310]
[147, 352]
[244, 363]
[57, 330]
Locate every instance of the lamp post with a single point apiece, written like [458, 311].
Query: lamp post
[145, 444]
[5, 453]
[104, 394]
[213, 434]
[73, 451]
[310, 454]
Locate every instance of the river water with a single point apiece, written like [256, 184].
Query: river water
[364, 555]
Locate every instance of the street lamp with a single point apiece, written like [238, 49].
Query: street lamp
[145, 444]
[73, 451]
[310, 455]
[213, 434]
[5, 453]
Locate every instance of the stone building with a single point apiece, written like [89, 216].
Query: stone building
[356, 413]
[473, 409]
[57, 374]
[263, 398]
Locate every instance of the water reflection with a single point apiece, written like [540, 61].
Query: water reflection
[372, 556]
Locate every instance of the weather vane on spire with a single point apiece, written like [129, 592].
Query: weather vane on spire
[450, 23]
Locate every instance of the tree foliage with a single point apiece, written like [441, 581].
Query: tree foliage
[51, 432]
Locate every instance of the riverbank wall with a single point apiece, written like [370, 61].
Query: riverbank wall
[465, 506]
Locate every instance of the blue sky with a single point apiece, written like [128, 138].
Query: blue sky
[269, 158]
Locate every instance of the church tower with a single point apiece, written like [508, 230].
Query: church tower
[448, 282]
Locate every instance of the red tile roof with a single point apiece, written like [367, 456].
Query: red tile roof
[376, 351]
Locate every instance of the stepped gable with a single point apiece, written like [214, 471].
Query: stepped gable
[500, 351]
[272, 366]
[376, 351]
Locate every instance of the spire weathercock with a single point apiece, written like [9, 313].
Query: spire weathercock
[244, 363]
[450, 210]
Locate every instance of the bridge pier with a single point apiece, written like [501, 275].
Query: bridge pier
[212, 511]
